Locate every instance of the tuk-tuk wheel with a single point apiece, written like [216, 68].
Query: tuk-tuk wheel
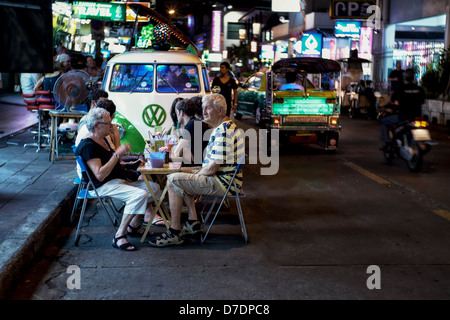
[258, 116]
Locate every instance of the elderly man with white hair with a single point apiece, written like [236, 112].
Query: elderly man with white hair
[111, 179]
[224, 148]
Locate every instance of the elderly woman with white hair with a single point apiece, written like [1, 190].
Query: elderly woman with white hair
[111, 179]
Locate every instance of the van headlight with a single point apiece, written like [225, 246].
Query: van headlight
[121, 130]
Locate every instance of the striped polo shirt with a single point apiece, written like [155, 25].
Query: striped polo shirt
[226, 146]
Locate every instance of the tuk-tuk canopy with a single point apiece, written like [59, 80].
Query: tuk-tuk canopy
[306, 64]
[354, 60]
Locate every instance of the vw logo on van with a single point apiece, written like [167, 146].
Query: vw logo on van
[154, 115]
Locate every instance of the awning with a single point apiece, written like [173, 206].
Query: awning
[410, 35]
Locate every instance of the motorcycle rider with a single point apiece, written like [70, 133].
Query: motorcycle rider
[409, 98]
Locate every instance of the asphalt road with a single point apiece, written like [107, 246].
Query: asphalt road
[325, 226]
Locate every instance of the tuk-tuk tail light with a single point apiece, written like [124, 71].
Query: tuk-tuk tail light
[334, 122]
[276, 122]
[419, 124]
[330, 101]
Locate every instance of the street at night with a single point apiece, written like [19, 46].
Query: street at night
[120, 121]
[314, 229]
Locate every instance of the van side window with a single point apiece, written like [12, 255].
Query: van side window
[206, 79]
[177, 78]
[106, 76]
[132, 77]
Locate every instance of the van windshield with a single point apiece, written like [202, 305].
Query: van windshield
[177, 78]
[132, 77]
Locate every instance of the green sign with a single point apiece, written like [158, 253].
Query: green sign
[99, 10]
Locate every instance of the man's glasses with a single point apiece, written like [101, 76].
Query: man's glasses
[107, 123]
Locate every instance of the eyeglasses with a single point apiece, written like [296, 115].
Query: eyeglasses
[107, 123]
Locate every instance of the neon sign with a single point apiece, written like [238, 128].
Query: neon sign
[99, 10]
[347, 29]
[311, 45]
[216, 30]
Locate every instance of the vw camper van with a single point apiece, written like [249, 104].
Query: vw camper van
[143, 85]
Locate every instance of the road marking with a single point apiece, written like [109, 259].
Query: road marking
[366, 173]
[443, 213]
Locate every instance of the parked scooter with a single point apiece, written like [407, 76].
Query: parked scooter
[409, 141]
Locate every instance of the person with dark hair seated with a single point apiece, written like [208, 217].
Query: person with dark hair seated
[193, 141]
[291, 77]
[173, 115]
[199, 109]
[94, 96]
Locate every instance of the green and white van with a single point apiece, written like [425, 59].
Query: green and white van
[143, 85]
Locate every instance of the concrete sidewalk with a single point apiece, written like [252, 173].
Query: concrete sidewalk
[34, 193]
[12, 98]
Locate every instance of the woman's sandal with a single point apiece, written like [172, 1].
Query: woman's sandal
[157, 222]
[123, 246]
[135, 231]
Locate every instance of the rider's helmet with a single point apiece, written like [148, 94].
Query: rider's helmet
[408, 75]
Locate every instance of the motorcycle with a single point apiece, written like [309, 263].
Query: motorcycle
[410, 141]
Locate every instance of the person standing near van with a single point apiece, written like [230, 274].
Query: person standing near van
[227, 85]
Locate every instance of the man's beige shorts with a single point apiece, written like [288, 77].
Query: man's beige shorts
[188, 184]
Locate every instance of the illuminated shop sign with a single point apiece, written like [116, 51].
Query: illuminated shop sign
[215, 57]
[365, 42]
[131, 16]
[311, 45]
[267, 51]
[285, 6]
[99, 11]
[349, 29]
[351, 9]
[329, 48]
[216, 30]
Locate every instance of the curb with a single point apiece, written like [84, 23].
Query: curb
[12, 100]
[28, 242]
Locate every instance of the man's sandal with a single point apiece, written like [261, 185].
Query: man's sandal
[123, 246]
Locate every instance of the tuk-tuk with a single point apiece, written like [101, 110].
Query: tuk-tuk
[309, 115]
[143, 85]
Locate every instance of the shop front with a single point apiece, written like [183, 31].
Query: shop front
[419, 43]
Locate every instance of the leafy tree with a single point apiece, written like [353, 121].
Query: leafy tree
[435, 80]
